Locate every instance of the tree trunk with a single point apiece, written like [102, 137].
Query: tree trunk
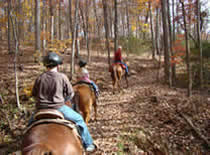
[128, 19]
[9, 27]
[44, 28]
[157, 34]
[59, 21]
[115, 26]
[106, 27]
[173, 40]
[199, 43]
[189, 93]
[15, 61]
[70, 18]
[167, 66]
[73, 39]
[87, 28]
[152, 31]
[37, 26]
[51, 22]
[97, 21]
[173, 74]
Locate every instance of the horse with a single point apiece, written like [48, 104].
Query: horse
[87, 99]
[117, 73]
[51, 137]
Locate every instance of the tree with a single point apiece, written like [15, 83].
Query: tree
[115, 26]
[106, 27]
[167, 67]
[9, 26]
[51, 21]
[37, 26]
[97, 19]
[189, 92]
[151, 30]
[199, 42]
[73, 39]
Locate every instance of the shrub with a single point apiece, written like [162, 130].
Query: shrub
[135, 45]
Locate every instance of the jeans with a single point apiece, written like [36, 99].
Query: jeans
[95, 88]
[71, 115]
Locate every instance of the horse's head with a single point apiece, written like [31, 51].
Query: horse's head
[127, 62]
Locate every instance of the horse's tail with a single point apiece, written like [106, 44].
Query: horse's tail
[115, 74]
[37, 149]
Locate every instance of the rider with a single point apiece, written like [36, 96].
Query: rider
[50, 90]
[118, 58]
[83, 75]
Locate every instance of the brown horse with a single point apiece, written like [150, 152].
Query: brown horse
[51, 138]
[87, 99]
[117, 73]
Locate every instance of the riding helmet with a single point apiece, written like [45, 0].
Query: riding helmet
[82, 63]
[52, 60]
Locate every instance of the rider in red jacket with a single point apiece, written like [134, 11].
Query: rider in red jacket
[118, 58]
[118, 55]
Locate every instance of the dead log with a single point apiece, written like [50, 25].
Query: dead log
[195, 129]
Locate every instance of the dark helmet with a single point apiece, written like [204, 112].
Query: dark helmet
[82, 63]
[52, 60]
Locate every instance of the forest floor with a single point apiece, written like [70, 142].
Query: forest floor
[148, 117]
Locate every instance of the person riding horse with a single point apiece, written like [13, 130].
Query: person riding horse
[83, 76]
[118, 59]
[50, 90]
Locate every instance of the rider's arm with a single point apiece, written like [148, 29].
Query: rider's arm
[68, 89]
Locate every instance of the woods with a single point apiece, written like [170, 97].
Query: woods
[168, 39]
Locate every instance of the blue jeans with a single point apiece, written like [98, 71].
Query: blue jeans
[71, 115]
[95, 88]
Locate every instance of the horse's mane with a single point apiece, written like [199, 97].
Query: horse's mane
[38, 149]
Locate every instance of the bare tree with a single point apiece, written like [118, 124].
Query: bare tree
[152, 30]
[115, 26]
[37, 26]
[70, 17]
[73, 39]
[97, 20]
[157, 34]
[199, 42]
[173, 74]
[189, 93]
[167, 66]
[106, 27]
[9, 26]
[51, 21]
[59, 21]
[15, 60]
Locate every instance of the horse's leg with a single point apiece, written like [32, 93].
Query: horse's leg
[119, 79]
[114, 79]
[126, 79]
[95, 109]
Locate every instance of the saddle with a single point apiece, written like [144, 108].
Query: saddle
[51, 116]
[85, 82]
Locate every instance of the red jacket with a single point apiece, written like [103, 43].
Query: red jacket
[117, 55]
